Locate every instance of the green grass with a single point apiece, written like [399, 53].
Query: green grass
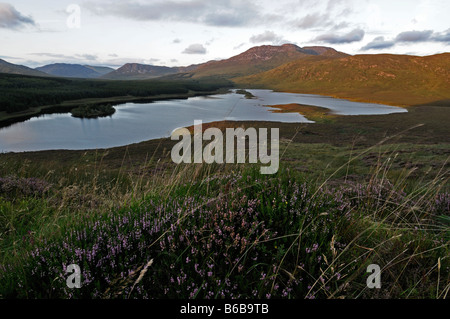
[352, 192]
[226, 231]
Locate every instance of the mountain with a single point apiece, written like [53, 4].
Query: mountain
[255, 60]
[6, 67]
[102, 70]
[382, 78]
[74, 70]
[262, 58]
[136, 71]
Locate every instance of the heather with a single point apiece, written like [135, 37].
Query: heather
[237, 234]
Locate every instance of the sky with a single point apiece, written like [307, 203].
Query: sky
[185, 32]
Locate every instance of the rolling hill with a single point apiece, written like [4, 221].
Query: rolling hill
[136, 71]
[262, 58]
[6, 67]
[74, 70]
[254, 60]
[382, 78]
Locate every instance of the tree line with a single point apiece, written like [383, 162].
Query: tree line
[19, 92]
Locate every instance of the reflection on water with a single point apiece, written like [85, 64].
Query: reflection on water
[133, 123]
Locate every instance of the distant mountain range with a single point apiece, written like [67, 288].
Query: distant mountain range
[254, 60]
[383, 78]
[135, 71]
[6, 67]
[74, 70]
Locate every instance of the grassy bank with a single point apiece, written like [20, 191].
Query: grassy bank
[352, 192]
[314, 113]
[211, 232]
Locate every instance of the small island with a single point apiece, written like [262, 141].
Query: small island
[247, 94]
[313, 113]
[93, 111]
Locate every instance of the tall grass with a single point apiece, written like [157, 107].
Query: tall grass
[211, 231]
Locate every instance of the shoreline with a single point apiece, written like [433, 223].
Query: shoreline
[341, 130]
[65, 107]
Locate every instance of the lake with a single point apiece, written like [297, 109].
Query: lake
[133, 123]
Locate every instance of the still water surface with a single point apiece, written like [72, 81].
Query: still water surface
[133, 123]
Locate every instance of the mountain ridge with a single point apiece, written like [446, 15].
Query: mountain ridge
[262, 58]
[10, 68]
[69, 70]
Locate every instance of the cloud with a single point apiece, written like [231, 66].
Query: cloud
[229, 13]
[10, 18]
[313, 20]
[414, 36]
[268, 36]
[378, 44]
[332, 38]
[408, 37]
[176, 41]
[51, 58]
[341, 25]
[442, 37]
[195, 49]
[53, 55]
[239, 46]
[89, 57]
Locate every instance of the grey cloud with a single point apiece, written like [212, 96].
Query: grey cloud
[341, 25]
[408, 37]
[332, 4]
[53, 55]
[414, 36]
[267, 36]
[313, 20]
[442, 37]
[239, 46]
[319, 20]
[225, 19]
[10, 18]
[331, 38]
[195, 49]
[56, 57]
[377, 44]
[214, 13]
[89, 57]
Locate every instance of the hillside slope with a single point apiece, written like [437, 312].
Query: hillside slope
[136, 71]
[383, 78]
[260, 59]
[74, 70]
[9, 68]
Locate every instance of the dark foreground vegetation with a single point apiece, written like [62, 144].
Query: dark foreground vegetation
[351, 192]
